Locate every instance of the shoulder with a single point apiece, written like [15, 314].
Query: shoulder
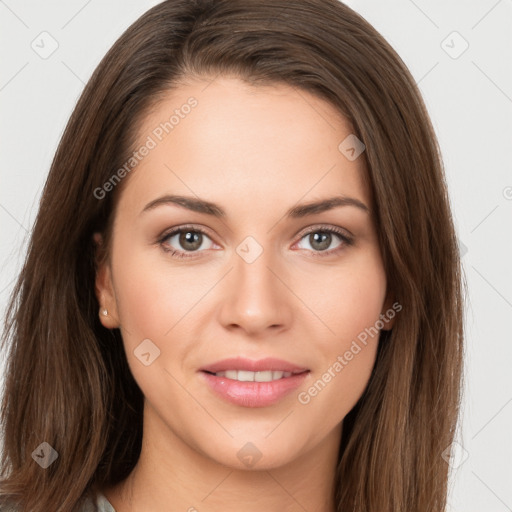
[99, 504]
[103, 504]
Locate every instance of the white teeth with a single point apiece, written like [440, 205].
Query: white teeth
[247, 376]
[265, 376]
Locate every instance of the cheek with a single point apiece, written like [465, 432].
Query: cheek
[347, 300]
[152, 295]
[154, 304]
[349, 304]
[160, 302]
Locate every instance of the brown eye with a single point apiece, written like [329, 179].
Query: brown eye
[190, 240]
[185, 240]
[320, 240]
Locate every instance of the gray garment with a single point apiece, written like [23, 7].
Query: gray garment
[101, 505]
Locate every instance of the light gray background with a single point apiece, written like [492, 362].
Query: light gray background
[470, 101]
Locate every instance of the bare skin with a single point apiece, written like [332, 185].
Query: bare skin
[256, 152]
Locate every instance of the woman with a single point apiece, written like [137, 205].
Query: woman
[243, 286]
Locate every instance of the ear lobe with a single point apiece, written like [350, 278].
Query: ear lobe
[103, 286]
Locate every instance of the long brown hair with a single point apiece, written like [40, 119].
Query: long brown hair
[68, 382]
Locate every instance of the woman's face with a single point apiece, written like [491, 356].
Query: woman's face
[255, 282]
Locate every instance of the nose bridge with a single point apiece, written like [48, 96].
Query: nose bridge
[255, 299]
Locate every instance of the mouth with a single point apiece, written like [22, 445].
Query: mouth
[249, 383]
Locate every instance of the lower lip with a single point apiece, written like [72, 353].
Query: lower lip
[253, 394]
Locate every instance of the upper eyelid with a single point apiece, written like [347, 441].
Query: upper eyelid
[173, 231]
[320, 227]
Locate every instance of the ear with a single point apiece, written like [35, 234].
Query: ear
[389, 313]
[103, 286]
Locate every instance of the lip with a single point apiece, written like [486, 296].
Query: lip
[253, 394]
[241, 363]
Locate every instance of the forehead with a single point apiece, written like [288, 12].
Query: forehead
[225, 140]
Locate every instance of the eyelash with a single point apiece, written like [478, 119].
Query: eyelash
[347, 241]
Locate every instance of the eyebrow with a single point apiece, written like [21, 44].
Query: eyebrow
[296, 212]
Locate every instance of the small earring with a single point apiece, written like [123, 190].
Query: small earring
[104, 312]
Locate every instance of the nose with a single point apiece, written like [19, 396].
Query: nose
[255, 298]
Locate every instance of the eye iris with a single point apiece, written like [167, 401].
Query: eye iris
[322, 238]
[191, 237]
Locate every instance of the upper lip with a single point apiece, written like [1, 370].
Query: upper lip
[241, 363]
